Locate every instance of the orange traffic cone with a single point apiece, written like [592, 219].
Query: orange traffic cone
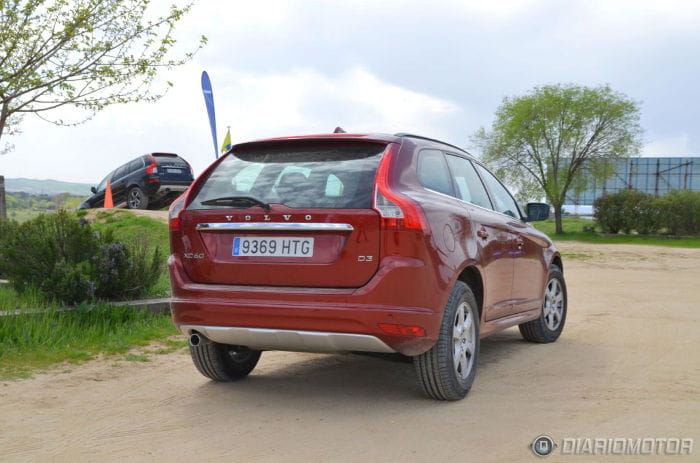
[108, 196]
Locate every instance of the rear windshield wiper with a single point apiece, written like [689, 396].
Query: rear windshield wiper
[236, 201]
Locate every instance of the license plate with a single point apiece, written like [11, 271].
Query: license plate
[273, 246]
[174, 171]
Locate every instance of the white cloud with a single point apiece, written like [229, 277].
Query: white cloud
[306, 100]
[254, 105]
[438, 68]
[678, 145]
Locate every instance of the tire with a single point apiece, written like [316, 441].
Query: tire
[447, 370]
[136, 198]
[549, 325]
[222, 362]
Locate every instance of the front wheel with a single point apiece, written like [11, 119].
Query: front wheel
[549, 325]
[222, 362]
[447, 370]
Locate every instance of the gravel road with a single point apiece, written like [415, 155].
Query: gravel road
[626, 366]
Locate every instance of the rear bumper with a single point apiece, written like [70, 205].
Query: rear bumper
[164, 188]
[293, 340]
[272, 314]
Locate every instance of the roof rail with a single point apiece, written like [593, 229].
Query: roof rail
[412, 135]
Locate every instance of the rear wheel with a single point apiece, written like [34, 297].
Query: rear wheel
[136, 198]
[549, 325]
[222, 362]
[447, 370]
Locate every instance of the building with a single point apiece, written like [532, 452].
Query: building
[656, 176]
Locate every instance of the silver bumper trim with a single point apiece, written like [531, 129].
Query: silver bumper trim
[289, 340]
[275, 226]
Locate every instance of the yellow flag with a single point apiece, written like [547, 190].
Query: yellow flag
[227, 141]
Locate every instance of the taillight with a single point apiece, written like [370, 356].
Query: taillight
[152, 168]
[397, 212]
[174, 212]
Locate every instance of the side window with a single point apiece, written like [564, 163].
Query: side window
[103, 184]
[121, 172]
[468, 183]
[433, 173]
[135, 165]
[503, 201]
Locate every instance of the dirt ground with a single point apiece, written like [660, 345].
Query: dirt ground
[627, 365]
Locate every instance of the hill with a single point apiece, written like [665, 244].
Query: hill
[46, 186]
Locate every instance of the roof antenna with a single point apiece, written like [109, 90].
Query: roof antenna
[339, 130]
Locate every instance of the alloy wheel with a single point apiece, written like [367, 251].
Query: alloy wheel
[553, 309]
[135, 199]
[464, 341]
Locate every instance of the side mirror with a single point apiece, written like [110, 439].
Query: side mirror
[536, 212]
[93, 189]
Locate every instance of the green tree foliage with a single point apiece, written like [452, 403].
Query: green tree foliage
[540, 142]
[87, 54]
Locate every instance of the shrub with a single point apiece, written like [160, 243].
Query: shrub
[647, 218]
[126, 271]
[68, 261]
[608, 212]
[679, 212]
[7, 227]
[627, 210]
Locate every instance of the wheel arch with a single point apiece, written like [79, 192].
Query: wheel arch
[471, 276]
[556, 260]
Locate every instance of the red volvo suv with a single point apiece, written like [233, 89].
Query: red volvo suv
[357, 242]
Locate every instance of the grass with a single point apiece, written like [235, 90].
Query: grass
[127, 226]
[574, 231]
[572, 255]
[10, 300]
[36, 341]
[137, 358]
[42, 336]
[22, 215]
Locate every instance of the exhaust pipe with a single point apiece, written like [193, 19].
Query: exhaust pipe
[197, 339]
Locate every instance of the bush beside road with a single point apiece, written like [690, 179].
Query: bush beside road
[37, 328]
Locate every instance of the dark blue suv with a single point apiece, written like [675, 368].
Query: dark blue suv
[151, 181]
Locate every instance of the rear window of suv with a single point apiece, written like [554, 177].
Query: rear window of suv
[169, 160]
[338, 176]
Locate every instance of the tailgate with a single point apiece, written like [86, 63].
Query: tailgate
[318, 248]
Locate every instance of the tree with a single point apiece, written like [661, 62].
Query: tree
[556, 138]
[86, 54]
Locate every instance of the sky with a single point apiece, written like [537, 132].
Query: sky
[437, 68]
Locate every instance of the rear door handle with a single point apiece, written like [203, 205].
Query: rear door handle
[481, 233]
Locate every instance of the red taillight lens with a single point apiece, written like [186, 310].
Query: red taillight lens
[176, 209]
[398, 212]
[402, 330]
[152, 168]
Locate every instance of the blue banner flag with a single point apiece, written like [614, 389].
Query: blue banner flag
[209, 101]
